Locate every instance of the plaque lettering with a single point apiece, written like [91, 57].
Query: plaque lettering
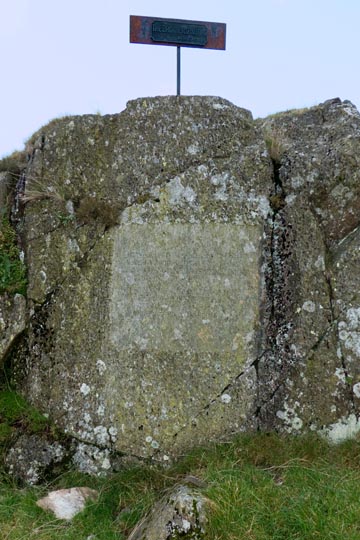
[179, 33]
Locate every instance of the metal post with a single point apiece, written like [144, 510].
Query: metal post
[159, 31]
[178, 71]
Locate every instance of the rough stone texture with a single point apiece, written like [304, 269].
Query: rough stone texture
[66, 503]
[192, 274]
[314, 333]
[12, 322]
[32, 456]
[149, 326]
[91, 459]
[180, 514]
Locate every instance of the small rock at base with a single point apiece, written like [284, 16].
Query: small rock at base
[66, 503]
[180, 513]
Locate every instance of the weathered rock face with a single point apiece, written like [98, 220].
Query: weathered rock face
[12, 322]
[142, 324]
[314, 327]
[32, 456]
[188, 281]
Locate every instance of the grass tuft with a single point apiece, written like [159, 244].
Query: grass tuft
[17, 416]
[13, 163]
[274, 146]
[40, 190]
[92, 209]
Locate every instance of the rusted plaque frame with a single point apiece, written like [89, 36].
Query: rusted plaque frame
[141, 31]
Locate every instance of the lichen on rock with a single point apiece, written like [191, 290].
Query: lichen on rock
[192, 273]
[317, 174]
[32, 456]
[137, 320]
[180, 514]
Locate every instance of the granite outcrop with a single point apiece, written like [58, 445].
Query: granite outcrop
[192, 273]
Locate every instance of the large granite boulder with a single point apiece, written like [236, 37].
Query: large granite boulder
[192, 274]
[144, 235]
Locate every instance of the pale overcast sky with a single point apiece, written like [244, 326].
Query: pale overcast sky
[73, 57]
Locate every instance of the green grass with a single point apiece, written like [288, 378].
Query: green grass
[260, 487]
[12, 270]
[124, 498]
[16, 415]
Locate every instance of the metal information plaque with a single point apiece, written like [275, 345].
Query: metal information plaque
[178, 33]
